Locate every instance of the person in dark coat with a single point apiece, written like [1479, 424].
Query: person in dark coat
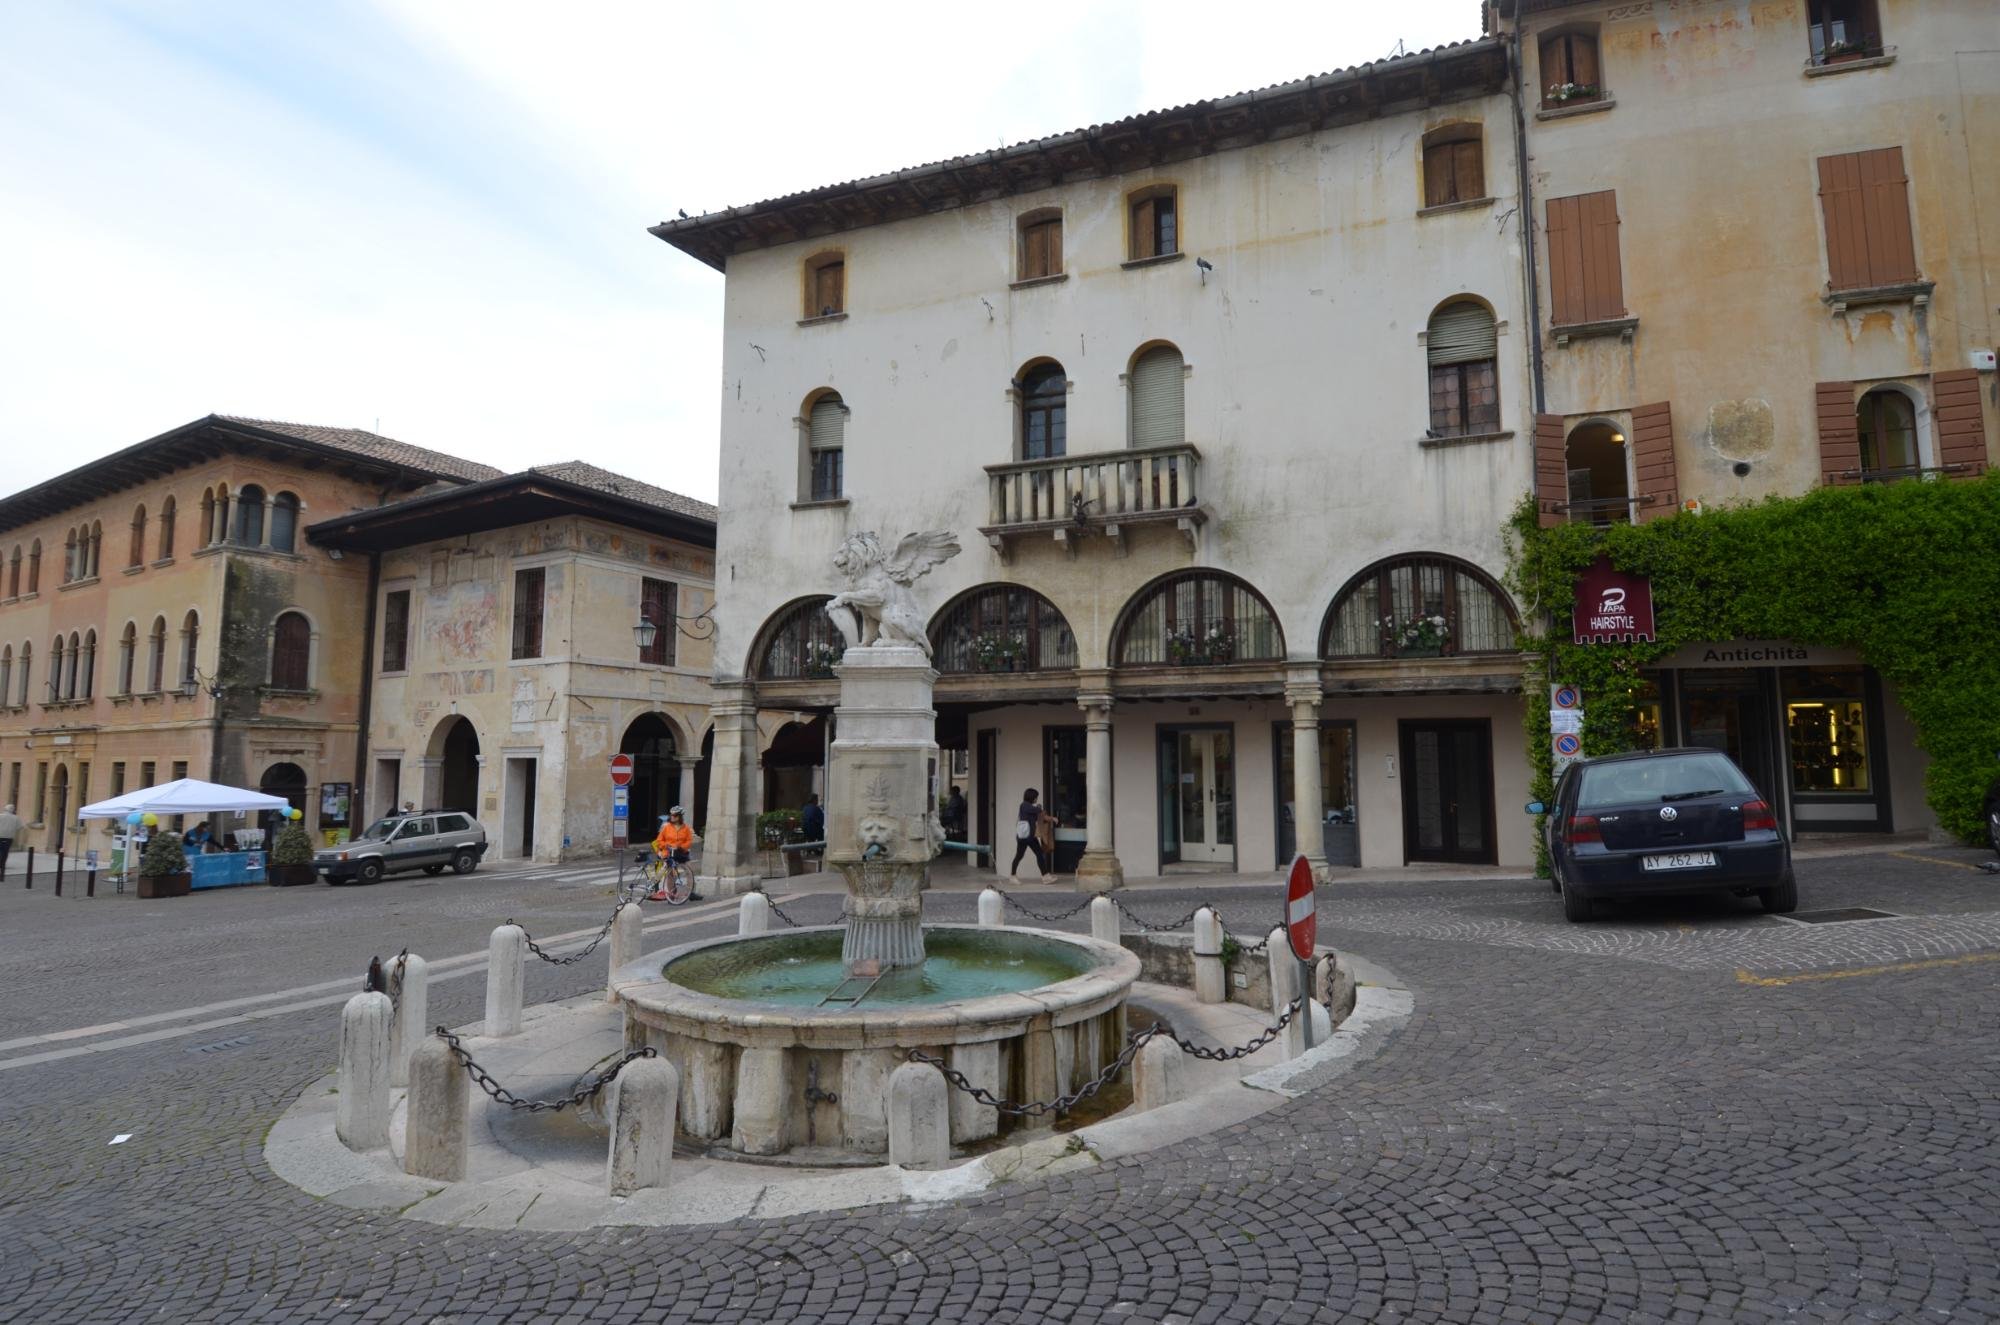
[1028, 835]
[812, 820]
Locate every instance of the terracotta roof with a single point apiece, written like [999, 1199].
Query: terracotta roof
[586, 475]
[359, 441]
[1476, 66]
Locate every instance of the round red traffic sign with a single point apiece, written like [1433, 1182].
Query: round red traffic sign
[1301, 926]
[621, 770]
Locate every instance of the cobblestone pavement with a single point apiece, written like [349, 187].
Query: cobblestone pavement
[1682, 1112]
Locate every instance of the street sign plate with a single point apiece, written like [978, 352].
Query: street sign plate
[621, 795]
[1567, 745]
[621, 811]
[621, 770]
[1565, 697]
[1301, 925]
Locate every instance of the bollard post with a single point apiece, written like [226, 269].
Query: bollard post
[1285, 988]
[59, 871]
[919, 1117]
[626, 937]
[434, 1134]
[90, 885]
[1104, 920]
[30, 876]
[753, 914]
[992, 909]
[643, 1101]
[1210, 979]
[505, 953]
[361, 1117]
[411, 977]
[1158, 1073]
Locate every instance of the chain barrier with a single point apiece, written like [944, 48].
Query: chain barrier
[581, 1095]
[396, 967]
[1152, 928]
[1033, 914]
[779, 913]
[574, 957]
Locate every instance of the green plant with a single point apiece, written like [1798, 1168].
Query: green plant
[776, 827]
[163, 855]
[1904, 574]
[1230, 950]
[293, 847]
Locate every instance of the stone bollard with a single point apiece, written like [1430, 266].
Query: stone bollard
[919, 1117]
[643, 1101]
[435, 1124]
[992, 909]
[1158, 1073]
[753, 914]
[626, 937]
[410, 977]
[505, 953]
[361, 1116]
[1210, 978]
[1285, 988]
[1104, 920]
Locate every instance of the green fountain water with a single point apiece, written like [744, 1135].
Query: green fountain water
[800, 970]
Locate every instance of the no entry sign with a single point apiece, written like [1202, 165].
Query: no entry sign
[1301, 925]
[621, 770]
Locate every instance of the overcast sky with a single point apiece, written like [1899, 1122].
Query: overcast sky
[428, 219]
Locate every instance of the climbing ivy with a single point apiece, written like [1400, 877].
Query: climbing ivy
[1906, 574]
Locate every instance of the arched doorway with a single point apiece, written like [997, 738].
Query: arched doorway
[458, 775]
[793, 763]
[287, 780]
[656, 773]
[1600, 479]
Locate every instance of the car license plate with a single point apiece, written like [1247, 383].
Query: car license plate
[1679, 860]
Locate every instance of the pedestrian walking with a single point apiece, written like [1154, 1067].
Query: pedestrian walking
[1030, 830]
[10, 828]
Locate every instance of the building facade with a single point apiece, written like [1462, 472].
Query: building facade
[505, 668]
[1227, 406]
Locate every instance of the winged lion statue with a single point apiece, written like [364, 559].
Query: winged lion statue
[878, 607]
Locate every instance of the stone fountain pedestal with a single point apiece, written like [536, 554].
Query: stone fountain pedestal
[881, 814]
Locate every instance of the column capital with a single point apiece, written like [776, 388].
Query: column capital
[1096, 707]
[1303, 696]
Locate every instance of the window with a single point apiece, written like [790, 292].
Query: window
[128, 648]
[1570, 74]
[71, 675]
[1155, 224]
[1826, 729]
[1195, 617]
[190, 647]
[250, 516]
[6, 673]
[70, 571]
[156, 656]
[1454, 165]
[291, 652]
[41, 793]
[1002, 628]
[528, 612]
[221, 530]
[1597, 463]
[826, 285]
[1842, 30]
[35, 566]
[207, 517]
[1462, 348]
[284, 522]
[27, 670]
[826, 443]
[1158, 399]
[1418, 607]
[453, 823]
[117, 779]
[96, 549]
[14, 573]
[87, 673]
[1586, 283]
[55, 670]
[396, 630]
[1887, 424]
[1865, 199]
[800, 641]
[137, 556]
[656, 604]
[1044, 412]
[166, 529]
[1041, 245]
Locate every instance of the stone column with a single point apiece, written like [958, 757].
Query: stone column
[627, 937]
[688, 767]
[1304, 697]
[411, 977]
[361, 1114]
[229, 519]
[729, 849]
[1099, 870]
[270, 509]
[643, 1102]
[505, 953]
[435, 1122]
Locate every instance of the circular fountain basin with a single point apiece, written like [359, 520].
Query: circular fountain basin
[770, 1065]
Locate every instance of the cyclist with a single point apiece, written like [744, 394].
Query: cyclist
[672, 844]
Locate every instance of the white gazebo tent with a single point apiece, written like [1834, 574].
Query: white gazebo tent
[184, 796]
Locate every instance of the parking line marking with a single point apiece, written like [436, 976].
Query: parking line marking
[1935, 963]
[1933, 860]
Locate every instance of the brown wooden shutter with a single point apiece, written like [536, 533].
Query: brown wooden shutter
[291, 652]
[1653, 460]
[1555, 62]
[1603, 277]
[1565, 262]
[1437, 174]
[1144, 233]
[1468, 170]
[1583, 59]
[1959, 417]
[1865, 198]
[1551, 470]
[1034, 252]
[1053, 230]
[656, 604]
[1839, 433]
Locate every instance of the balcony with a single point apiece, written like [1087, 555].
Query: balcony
[1072, 497]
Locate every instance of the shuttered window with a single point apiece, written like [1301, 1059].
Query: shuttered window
[1570, 73]
[291, 652]
[1461, 345]
[1959, 415]
[1840, 30]
[1158, 417]
[826, 287]
[1865, 198]
[1041, 247]
[1586, 281]
[528, 585]
[1454, 166]
[656, 604]
[396, 631]
[1155, 225]
[826, 443]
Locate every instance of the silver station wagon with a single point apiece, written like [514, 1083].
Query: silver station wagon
[429, 841]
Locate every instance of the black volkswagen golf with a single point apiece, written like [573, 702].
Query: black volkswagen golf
[1663, 822]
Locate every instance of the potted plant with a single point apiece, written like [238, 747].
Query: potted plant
[291, 860]
[1183, 647]
[1218, 645]
[1840, 52]
[163, 867]
[1422, 636]
[774, 829]
[820, 660]
[1563, 93]
[994, 652]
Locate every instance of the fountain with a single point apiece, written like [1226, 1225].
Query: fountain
[785, 1042]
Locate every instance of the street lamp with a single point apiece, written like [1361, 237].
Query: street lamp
[643, 631]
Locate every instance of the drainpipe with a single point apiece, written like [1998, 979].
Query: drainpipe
[1527, 214]
[357, 801]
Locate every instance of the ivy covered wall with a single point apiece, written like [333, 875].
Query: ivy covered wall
[1906, 574]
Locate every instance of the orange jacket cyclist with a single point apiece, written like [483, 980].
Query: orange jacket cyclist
[675, 837]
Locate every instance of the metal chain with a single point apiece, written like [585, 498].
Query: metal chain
[581, 1095]
[779, 913]
[1149, 927]
[1269, 1034]
[574, 957]
[396, 967]
[1033, 914]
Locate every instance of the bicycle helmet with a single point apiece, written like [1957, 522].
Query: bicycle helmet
[677, 810]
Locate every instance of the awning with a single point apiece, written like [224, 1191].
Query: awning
[183, 796]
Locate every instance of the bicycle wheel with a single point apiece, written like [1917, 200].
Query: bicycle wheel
[679, 885]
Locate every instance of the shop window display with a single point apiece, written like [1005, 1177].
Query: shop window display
[1826, 726]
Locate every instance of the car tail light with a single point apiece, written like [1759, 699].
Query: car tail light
[1583, 828]
[1756, 814]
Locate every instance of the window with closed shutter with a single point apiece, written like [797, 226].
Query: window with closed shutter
[291, 652]
[656, 604]
[1454, 166]
[1041, 246]
[1865, 199]
[1586, 280]
[1158, 417]
[528, 586]
[1155, 224]
[826, 286]
[1570, 73]
[826, 443]
[1461, 346]
[396, 630]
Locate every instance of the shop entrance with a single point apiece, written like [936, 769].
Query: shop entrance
[1731, 711]
[1335, 812]
[1448, 792]
[1198, 795]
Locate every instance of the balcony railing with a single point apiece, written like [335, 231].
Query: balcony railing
[1073, 496]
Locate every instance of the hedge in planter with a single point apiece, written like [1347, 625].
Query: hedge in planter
[292, 855]
[163, 866]
[1906, 574]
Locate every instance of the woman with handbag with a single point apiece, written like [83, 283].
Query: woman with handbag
[1028, 835]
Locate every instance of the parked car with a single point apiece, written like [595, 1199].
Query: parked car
[429, 841]
[1661, 823]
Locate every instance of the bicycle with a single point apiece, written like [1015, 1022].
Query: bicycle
[660, 880]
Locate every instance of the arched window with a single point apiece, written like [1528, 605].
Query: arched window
[800, 641]
[1887, 423]
[284, 522]
[137, 555]
[35, 566]
[55, 670]
[13, 585]
[291, 652]
[207, 517]
[1157, 398]
[6, 673]
[72, 675]
[1454, 165]
[826, 448]
[826, 285]
[1418, 606]
[1001, 628]
[1044, 411]
[166, 529]
[1195, 617]
[87, 673]
[69, 571]
[96, 548]
[190, 642]
[1600, 474]
[128, 648]
[250, 516]
[1041, 244]
[27, 674]
[1569, 70]
[1463, 348]
[221, 530]
[156, 656]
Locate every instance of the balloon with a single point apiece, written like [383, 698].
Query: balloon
[133, 818]
[150, 819]
[295, 813]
